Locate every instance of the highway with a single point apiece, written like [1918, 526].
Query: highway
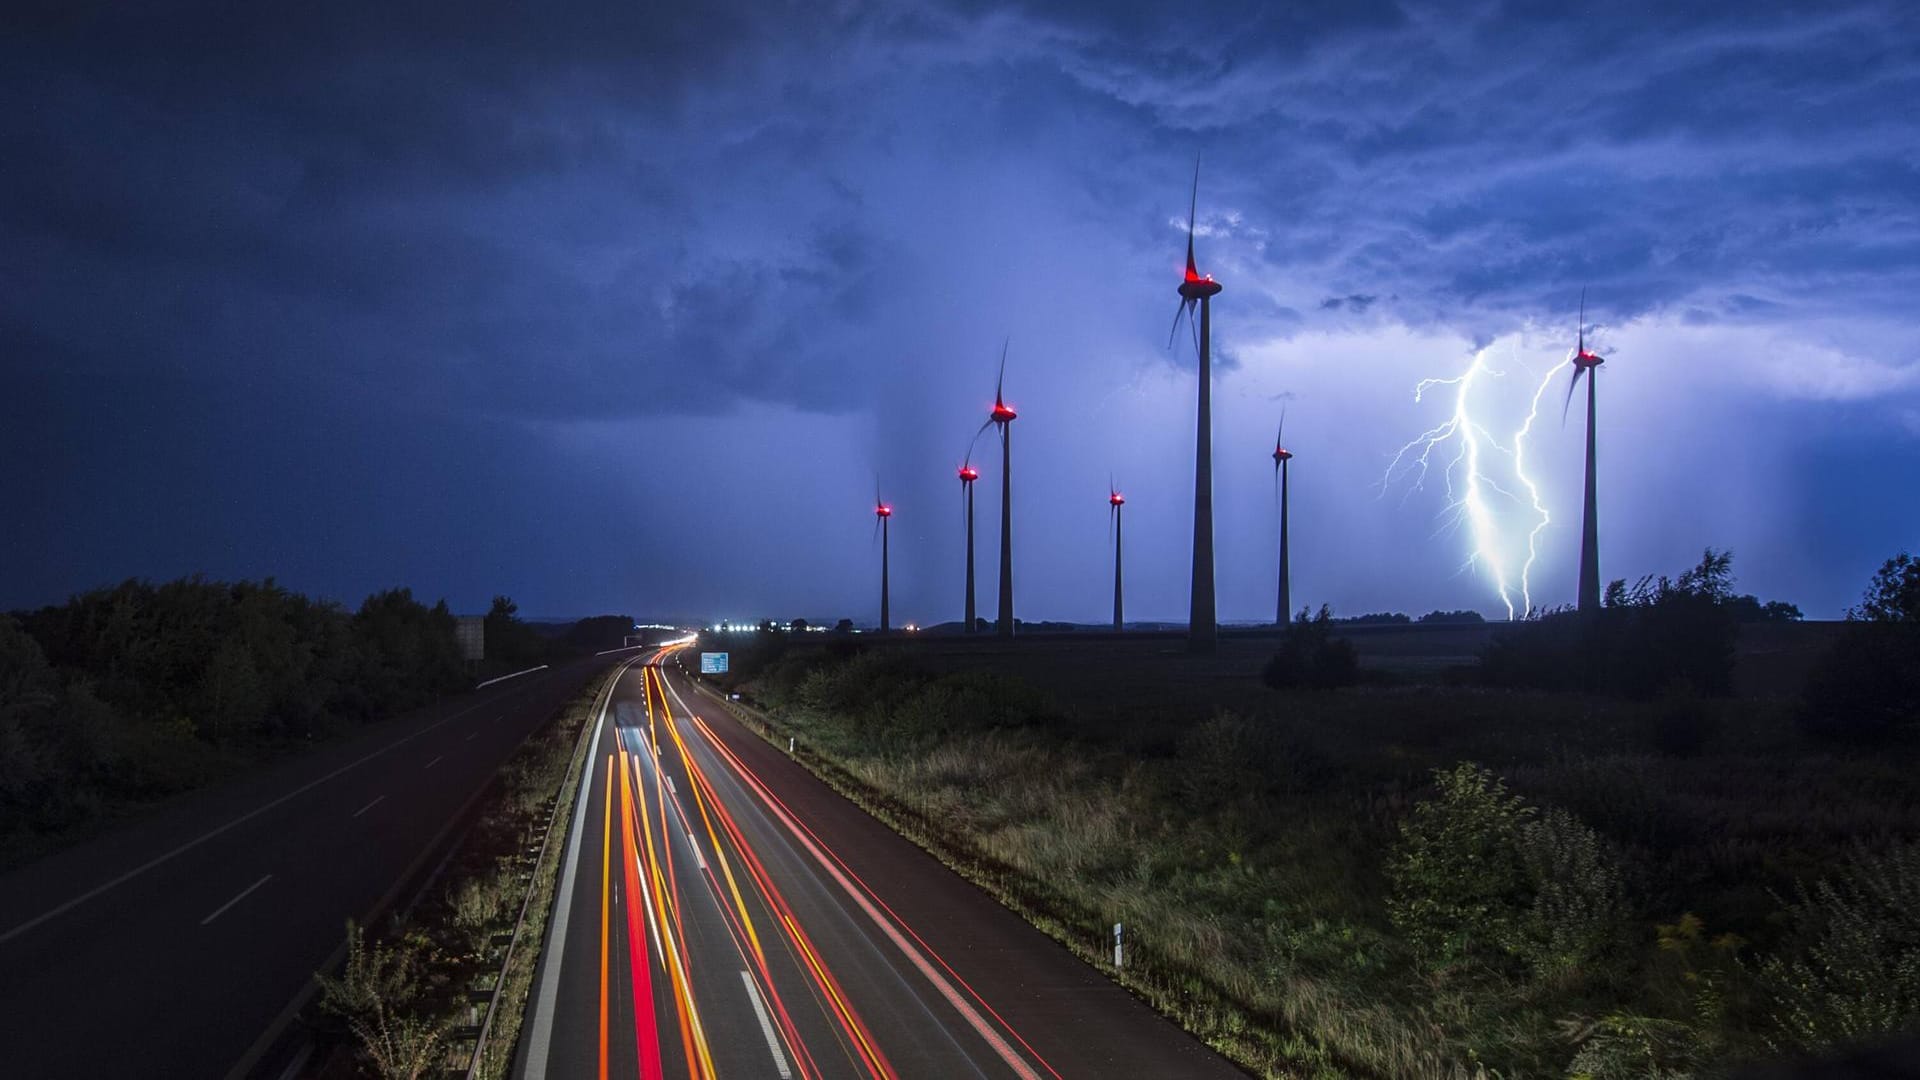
[723, 913]
[177, 945]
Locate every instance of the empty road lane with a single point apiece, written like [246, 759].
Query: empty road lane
[170, 946]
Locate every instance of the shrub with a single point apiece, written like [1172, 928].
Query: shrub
[377, 997]
[1579, 909]
[1625, 1046]
[1478, 874]
[1310, 657]
[1219, 761]
[1459, 881]
[1650, 637]
[1852, 966]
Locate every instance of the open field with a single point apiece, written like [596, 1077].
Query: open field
[1091, 670]
[1415, 876]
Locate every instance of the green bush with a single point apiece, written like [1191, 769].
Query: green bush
[1578, 914]
[1851, 969]
[1479, 875]
[1458, 878]
[1310, 657]
[1626, 1046]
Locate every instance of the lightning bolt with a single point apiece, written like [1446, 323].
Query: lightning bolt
[1533, 489]
[1470, 472]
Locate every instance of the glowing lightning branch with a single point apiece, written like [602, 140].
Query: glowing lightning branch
[1472, 484]
[1533, 490]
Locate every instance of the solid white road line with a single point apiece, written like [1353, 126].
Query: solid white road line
[766, 1028]
[222, 909]
[435, 761]
[369, 806]
[211, 833]
[540, 1037]
[504, 678]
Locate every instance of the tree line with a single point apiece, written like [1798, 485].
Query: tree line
[133, 692]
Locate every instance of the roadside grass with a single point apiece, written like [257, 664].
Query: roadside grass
[410, 998]
[1258, 857]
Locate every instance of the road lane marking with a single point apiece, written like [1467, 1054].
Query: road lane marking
[766, 1028]
[540, 1038]
[369, 806]
[244, 893]
[218, 830]
[606, 880]
[504, 678]
[435, 761]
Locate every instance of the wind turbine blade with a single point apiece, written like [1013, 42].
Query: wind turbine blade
[1001, 383]
[1193, 207]
[1194, 325]
[976, 437]
[1177, 312]
[1580, 332]
[1571, 387]
[1280, 437]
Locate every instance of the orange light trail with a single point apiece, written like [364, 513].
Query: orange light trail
[871, 1057]
[841, 872]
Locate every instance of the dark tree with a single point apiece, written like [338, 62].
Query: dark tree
[1867, 686]
[1310, 657]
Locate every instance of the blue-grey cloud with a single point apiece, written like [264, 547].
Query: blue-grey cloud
[495, 223]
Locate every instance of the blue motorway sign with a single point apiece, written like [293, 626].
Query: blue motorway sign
[713, 663]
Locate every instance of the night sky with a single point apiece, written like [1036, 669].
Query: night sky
[624, 308]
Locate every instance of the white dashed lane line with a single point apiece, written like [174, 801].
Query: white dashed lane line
[244, 893]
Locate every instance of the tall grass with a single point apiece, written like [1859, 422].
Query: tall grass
[1257, 858]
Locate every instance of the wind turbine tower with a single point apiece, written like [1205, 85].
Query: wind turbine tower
[1585, 362]
[1004, 416]
[883, 515]
[1203, 632]
[968, 474]
[1281, 455]
[1115, 501]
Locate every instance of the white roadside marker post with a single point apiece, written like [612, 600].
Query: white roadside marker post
[1119, 953]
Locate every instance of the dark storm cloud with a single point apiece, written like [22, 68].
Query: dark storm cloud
[519, 229]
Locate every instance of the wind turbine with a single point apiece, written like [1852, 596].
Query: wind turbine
[1282, 455]
[1115, 501]
[1196, 290]
[883, 515]
[968, 474]
[1585, 361]
[1004, 416]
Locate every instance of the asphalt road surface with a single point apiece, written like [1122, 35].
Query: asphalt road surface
[722, 913]
[173, 946]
